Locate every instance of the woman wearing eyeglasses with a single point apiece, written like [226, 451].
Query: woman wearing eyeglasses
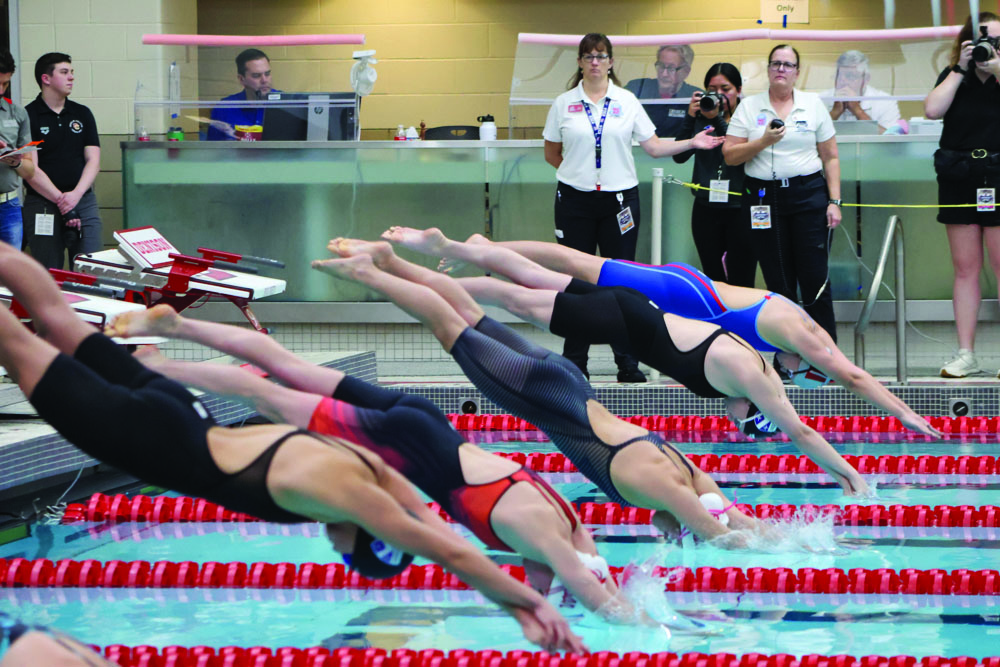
[785, 139]
[588, 139]
[717, 225]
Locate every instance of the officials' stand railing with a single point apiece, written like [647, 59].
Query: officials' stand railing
[893, 236]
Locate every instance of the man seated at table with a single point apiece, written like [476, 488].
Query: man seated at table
[673, 64]
[852, 80]
[253, 70]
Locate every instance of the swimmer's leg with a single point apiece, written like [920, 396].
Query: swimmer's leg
[387, 261]
[278, 403]
[33, 287]
[532, 305]
[558, 258]
[488, 256]
[257, 348]
[419, 300]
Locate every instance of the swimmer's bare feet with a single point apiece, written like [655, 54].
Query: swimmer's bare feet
[347, 268]
[451, 264]
[149, 356]
[161, 320]
[427, 241]
[478, 239]
[379, 251]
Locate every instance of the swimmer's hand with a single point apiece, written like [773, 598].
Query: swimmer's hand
[545, 627]
[920, 425]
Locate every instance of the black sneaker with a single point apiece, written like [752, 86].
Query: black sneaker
[632, 374]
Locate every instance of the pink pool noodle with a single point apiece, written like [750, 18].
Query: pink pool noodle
[246, 40]
[758, 33]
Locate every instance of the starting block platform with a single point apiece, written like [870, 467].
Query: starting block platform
[146, 258]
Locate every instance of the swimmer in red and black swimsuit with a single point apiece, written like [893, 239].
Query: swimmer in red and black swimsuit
[505, 505]
[113, 408]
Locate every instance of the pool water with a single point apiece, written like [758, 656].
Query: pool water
[797, 624]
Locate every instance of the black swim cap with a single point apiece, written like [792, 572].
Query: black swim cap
[756, 424]
[374, 558]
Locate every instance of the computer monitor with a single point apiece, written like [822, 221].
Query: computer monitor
[319, 121]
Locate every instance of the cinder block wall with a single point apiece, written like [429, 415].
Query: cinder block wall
[104, 39]
[448, 61]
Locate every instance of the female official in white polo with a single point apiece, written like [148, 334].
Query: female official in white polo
[790, 206]
[588, 139]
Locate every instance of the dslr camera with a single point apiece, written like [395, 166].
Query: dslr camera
[986, 47]
[713, 101]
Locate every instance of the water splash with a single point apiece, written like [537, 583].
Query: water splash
[804, 532]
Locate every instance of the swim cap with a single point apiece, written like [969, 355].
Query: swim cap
[596, 564]
[756, 424]
[716, 506]
[374, 558]
[806, 376]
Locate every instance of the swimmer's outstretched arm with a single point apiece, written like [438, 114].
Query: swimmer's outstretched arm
[375, 509]
[51, 649]
[247, 344]
[816, 346]
[764, 389]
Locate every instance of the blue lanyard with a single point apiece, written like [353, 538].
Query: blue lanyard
[598, 133]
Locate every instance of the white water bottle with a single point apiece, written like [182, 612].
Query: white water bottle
[488, 129]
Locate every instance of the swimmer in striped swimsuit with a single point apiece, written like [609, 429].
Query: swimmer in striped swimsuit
[805, 352]
[504, 504]
[110, 406]
[703, 357]
[628, 463]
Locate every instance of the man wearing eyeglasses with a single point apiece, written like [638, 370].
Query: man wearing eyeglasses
[852, 80]
[673, 64]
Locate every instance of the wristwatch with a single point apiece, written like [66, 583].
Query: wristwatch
[959, 70]
[834, 201]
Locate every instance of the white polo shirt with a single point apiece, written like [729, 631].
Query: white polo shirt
[807, 124]
[883, 112]
[567, 123]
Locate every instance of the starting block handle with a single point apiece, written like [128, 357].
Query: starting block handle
[188, 260]
[122, 284]
[233, 258]
[264, 261]
[60, 275]
[96, 290]
[222, 264]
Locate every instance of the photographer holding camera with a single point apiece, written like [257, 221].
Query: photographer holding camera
[786, 139]
[720, 235]
[967, 163]
[967, 97]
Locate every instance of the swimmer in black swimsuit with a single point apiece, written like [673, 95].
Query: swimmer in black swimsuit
[805, 352]
[102, 400]
[507, 506]
[629, 464]
[708, 360]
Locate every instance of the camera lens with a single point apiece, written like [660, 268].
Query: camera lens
[982, 52]
[708, 102]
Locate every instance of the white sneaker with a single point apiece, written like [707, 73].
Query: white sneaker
[964, 364]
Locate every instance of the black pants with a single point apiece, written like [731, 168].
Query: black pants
[794, 252]
[51, 251]
[724, 245]
[587, 221]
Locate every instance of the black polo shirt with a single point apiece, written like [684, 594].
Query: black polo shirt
[973, 119]
[64, 135]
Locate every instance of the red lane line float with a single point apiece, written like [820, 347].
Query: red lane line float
[101, 507]
[43, 573]
[262, 656]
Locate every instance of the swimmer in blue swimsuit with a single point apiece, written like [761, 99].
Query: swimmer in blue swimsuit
[628, 463]
[805, 352]
[506, 506]
[706, 359]
[103, 401]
